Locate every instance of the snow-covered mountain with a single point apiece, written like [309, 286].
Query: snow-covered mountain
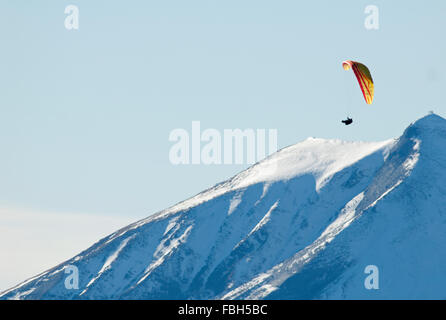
[302, 224]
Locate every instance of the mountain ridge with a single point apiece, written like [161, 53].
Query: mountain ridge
[285, 228]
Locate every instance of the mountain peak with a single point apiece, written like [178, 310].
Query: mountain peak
[430, 129]
[430, 121]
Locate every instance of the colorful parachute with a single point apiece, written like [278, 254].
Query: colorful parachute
[364, 77]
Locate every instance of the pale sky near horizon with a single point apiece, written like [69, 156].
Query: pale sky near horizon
[86, 114]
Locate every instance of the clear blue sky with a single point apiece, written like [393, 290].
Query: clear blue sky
[85, 115]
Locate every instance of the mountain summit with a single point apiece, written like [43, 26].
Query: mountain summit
[305, 223]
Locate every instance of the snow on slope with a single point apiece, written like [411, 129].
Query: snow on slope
[302, 223]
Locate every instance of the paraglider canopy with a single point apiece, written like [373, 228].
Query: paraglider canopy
[364, 78]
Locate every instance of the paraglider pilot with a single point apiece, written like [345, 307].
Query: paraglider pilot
[348, 121]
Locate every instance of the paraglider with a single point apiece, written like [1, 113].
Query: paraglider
[365, 82]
